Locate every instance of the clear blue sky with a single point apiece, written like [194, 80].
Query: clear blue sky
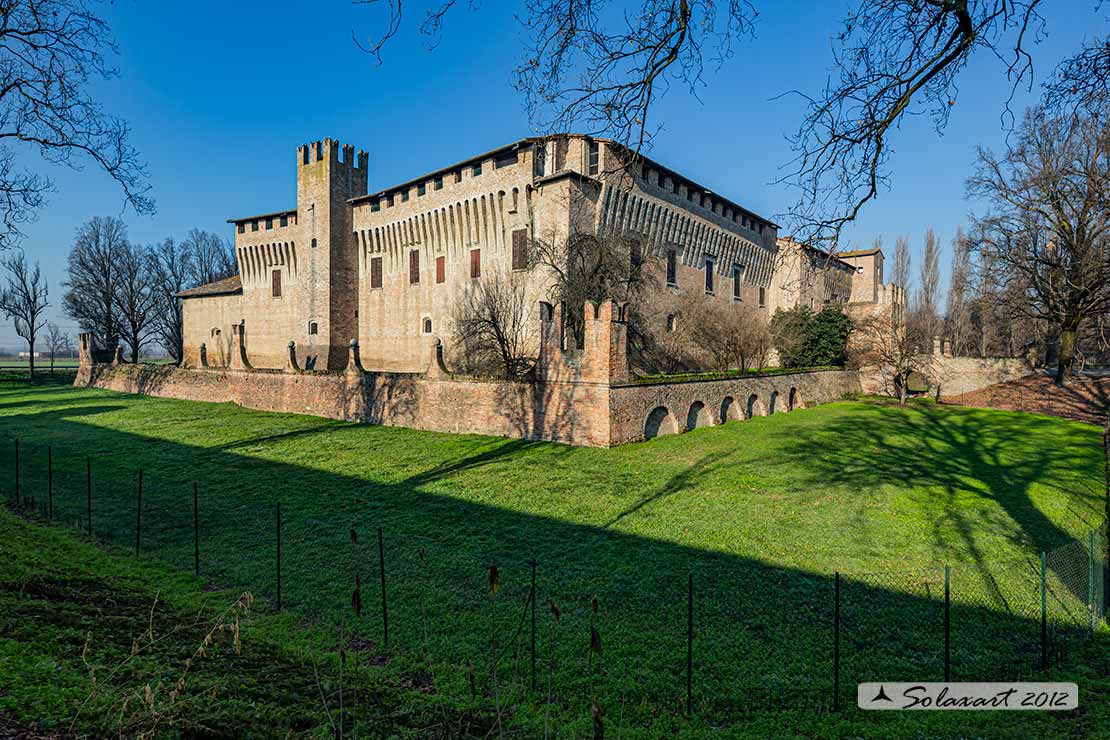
[219, 95]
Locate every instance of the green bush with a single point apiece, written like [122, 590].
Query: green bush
[807, 339]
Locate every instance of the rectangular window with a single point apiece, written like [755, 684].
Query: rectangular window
[388, 201]
[375, 272]
[458, 175]
[441, 269]
[674, 186]
[414, 267]
[376, 206]
[762, 297]
[505, 160]
[520, 249]
[635, 254]
[242, 228]
[269, 224]
[476, 170]
[438, 183]
[475, 263]
[284, 221]
[709, 276]
[737, 277]
[254, 226]
[275, 283]
[672, 267]
[405, 196]
[595, 153]
[421, 189]
[562, 146]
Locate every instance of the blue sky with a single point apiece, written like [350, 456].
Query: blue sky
[219, 95]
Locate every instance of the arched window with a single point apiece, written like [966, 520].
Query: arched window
[314, 244]
[670, 322]
[313, 328]
[427, 326]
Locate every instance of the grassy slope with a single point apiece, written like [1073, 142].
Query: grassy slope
[761, 511]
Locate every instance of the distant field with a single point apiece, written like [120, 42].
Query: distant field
[762, 513]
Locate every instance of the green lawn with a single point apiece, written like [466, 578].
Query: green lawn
[761, 513]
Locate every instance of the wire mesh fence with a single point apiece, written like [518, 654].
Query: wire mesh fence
[694, 632]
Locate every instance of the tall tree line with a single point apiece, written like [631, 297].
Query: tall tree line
[126, 293]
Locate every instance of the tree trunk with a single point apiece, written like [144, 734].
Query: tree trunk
[31, 358]
[1067, 354]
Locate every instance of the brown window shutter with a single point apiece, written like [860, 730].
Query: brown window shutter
[672, 267]
[375, 272]
[441, 269]
[475, 263]
[414, 267]
[520, 249]
[275, 277]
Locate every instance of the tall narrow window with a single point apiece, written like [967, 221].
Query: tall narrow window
[595, 153]
[414, 267]
[269, 224]
[421, 189]
[275, 283]
[635, 254]
[284, 221]
[762, 297]
[427, 326]
[441, 269]
[475, 263]
[438, 183]
[672, 267]
[242, 228]
[709, 276]
[254, 226]
[375, 272]
[737, 277]
[520, 249]
[539, 159]
[312, 328]
[476, 170]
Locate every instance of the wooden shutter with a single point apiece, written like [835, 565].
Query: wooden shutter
[275, 277]
[520, 249]
[475, 263]
[375, 272]
[441, 269]
[414, 267]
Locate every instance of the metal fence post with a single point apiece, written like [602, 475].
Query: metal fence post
[50, 482]
[690, 645]
[139, 514]
[278, 533]
[1091, 581]
[1044, 612]
[196, 533]
[836, 643]
[88, 492]
[947, 624]
[385, 603]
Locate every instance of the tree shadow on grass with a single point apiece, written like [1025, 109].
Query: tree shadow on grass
[754, 622]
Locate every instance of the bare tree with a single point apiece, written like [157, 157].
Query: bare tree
[1047, 229]
[52, 52]
[57, 342]
[23, 299]
[493, 326]
[93, 267]
[956, 319]
[136, 298]
[928, 296]
[900, 272]
[212, 258]
[892, 349]
[730, 335]
[172, 267]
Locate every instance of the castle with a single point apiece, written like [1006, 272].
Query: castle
[388, 268]
[343, 306]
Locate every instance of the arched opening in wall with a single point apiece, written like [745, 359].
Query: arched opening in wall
[774, 405]
[755, 406]
[795, 400]
[730, 410]
[426, 326]
[658, 423]
[313, 328]
[698, 416]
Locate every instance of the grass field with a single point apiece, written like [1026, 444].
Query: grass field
[760, 514]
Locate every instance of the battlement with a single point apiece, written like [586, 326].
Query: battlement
[334, 152]
[603, 357]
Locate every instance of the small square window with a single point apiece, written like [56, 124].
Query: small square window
[421, 190]
[242, 228]
[405, 196]
[254, 226]
[284, 221]
[476, 170]
[438, 183]
[269, 224]
[376, 206]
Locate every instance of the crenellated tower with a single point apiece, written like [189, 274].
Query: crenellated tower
[327, 176]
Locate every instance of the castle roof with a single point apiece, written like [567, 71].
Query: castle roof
[860, 252]
[286, 212]
[227, 286]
